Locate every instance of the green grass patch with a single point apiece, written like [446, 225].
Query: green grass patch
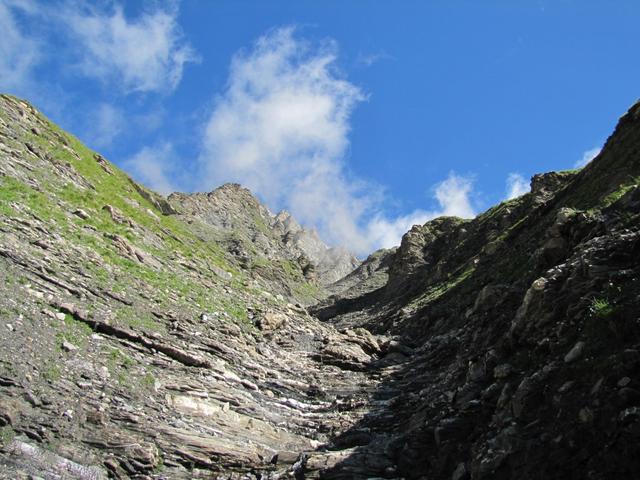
[74, 332]
[436, 291]
[13, 190]
[119, 365]
[51, 373]
[7, 435]
[307, 291]
[148, 381]
[138, 320]
[620, 192]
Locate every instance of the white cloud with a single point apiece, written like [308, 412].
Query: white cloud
[19, 53]
[281, 129]
[369, 59]
[385, 233]
[517, 185]
[146, 54]
[587, 157]
[155, 168]
[453, 197]
[107, 123]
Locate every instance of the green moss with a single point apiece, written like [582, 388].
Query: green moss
[138, 320]
[119, 364]
[160, 467]
[260, 225]
[619, 193]
[499, 209]
[512, 229]
[13, 190]
[259, 263]
[306, 291]
[148, 381]
[292, 271]
[237, 310]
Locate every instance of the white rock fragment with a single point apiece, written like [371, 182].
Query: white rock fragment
[575, 353]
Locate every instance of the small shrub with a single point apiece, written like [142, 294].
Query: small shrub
[600, 307]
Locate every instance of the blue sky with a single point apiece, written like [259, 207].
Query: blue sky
[361, 117]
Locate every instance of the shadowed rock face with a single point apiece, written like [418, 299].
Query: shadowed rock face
[146, 337]
[524, 333]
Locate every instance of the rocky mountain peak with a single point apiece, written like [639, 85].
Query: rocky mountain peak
[286, 222]
[545, 185]
[248, 224]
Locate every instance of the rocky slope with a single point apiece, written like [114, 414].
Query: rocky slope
[146, 337]
[136, 341]
[521, 331]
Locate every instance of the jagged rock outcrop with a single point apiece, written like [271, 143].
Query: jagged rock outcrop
[331, 263]
[232, 215]
[144, 339]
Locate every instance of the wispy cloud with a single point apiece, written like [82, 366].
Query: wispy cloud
[107, 123]
[143, 54]
[454, 197]
[587, 157]
[517, 185]
[369, 59]
[19, 52]
[281, 128]
[146, 54]
[155, 167]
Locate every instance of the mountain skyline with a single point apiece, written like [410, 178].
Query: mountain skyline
[303, 104]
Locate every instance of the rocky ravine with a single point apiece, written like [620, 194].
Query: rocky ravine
[146, 337]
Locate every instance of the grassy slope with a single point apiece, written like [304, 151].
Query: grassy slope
[186, 270]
